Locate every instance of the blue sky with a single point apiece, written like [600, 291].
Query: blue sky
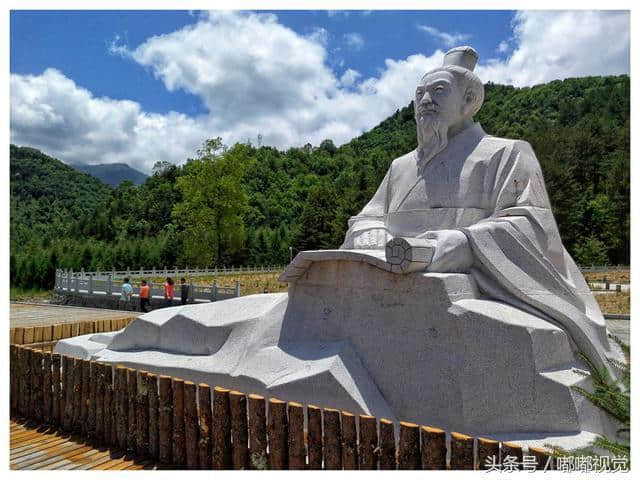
[141, 86]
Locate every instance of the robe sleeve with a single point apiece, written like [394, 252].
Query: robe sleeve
[518, 252]
[373, 215]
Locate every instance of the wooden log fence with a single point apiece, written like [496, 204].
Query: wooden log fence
[44, 337]
[186, 425]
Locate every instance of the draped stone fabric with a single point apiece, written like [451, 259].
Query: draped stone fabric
[492, 189]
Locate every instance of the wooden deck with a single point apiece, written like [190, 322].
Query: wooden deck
[33, 447]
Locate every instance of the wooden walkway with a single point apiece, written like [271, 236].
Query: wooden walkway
[32, 314]
[34, 447]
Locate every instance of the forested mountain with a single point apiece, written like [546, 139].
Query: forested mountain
[113, 173]
[258, 202]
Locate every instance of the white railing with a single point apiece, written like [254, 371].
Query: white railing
[176, 272]
[74, 282]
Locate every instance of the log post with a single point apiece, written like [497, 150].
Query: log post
[91, 407]
[152, 398]
[18, 337]
[28, 382]
[257, 432]
[409, 447]
[544, 460]
[239, 430]
[142, 415]
[297, 452]
[368, 444]
[314, 436]
[191, 425]
[277, 433]
[205, 425]
[28, 335]
[349, 441]
[434, 448]
[20, 369]
[36, 385]
[108, 406]
[122, 406]
[387, 445]
[511, 452]
[14, 376]
[98, 403]
[178, 423]
[67, 419]
[488, 452]
[132, 392]
[57, 331]
[332, 440]
[56, 413]
[461, 452]
[77, 394]
[165, 420]
[85, 378]
[221, 430]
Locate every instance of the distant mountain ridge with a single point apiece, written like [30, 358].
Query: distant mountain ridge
[113, 173]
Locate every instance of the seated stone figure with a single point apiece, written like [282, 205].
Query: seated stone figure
[483, 203]
[451, 303]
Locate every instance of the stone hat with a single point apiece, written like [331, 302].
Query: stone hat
[465, 57]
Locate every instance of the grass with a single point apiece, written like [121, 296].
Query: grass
[614, 276]
[250, 283]
[615, 302]
[18, 294]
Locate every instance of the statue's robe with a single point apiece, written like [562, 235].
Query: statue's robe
[492, 189]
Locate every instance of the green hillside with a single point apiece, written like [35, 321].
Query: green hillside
[302, 197]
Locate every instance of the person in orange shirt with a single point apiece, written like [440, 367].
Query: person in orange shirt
[168, 292]
[144, 296]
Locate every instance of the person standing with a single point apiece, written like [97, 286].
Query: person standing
[145, 295]
[168, 292]
[184, 291]
[125, 295]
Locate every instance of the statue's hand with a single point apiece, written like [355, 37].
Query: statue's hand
[373, 239]
[452, 253]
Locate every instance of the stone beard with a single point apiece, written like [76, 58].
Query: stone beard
[432, 133]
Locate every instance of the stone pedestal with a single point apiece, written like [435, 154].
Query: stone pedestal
[421, 347]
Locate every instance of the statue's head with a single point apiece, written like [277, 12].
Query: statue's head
[447, 98]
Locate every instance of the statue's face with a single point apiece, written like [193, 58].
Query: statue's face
[438, 99]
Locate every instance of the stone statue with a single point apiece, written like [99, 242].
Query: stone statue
[451, 303]
[482, 203]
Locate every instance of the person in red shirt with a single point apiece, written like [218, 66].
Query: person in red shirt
[144, 296]
[168, 292]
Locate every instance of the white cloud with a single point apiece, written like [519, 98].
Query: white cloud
[354, 40]
[448, 39]
[349, 77]
[319, 35]
[503, 46]
[51, 112]
[560, 44]
[256, 76]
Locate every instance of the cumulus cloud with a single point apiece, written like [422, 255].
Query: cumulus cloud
[503, 46]
[561, 44]
[255, 75]
[354, 40]
[448, 39]
[51, 112]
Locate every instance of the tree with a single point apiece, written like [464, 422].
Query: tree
[315, 231]
[214, 200]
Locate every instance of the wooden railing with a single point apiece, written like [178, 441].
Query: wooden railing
[183, 424]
